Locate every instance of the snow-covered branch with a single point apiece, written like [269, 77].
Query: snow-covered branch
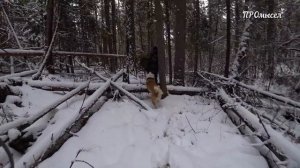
[50, 143]
[24, 73]
[280, 142]
[114, 84]
[265, 93]
[22, 121]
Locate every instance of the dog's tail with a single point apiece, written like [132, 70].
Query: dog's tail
[158, 92]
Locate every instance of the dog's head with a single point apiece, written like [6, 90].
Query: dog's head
[150, 75]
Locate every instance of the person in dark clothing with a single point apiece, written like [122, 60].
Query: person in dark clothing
[152, 65]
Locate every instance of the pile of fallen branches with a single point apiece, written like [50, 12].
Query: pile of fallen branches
[267, 131]
[24, 132]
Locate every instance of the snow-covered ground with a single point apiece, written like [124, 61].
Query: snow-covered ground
[184, 132]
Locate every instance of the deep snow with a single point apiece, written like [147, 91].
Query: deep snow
[123, 135]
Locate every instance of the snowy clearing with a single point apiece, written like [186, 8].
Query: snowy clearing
[122, 135]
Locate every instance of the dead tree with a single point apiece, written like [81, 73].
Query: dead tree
[262, 92]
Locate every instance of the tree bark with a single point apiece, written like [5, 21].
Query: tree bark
[226, 72]
[130, 37]
[161, 47]
[197, 34]
[180, 32]
[237, 23]
[271, 29]
[49, 33]
[168, 31]
[107, 26]
[149, 25]
[114, 33]
[83, 7]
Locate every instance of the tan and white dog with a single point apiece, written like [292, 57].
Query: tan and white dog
[154, 89]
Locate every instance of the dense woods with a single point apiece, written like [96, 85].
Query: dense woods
[194, 33]
[227, 51]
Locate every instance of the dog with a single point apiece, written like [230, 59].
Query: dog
[153, 89]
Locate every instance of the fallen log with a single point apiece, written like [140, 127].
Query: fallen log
[135, 88]
[265, 93]
[128, 94]
[30, 53]
[271, 120]
[23, 122]
[24, 73]
[76, 127]
[271, 158]
[60, 86]
[50, 143]
[267, 134]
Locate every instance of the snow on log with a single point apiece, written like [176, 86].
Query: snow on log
[30, 53]
[260, 145]
[131, 96]
[24, 73]
[117, 75]
[60, 86]
[128, 94]
[135, 88]
[271, 119]
[25, 121]
[275, 138]
[61, 53]
[265, 93]
[46, 145]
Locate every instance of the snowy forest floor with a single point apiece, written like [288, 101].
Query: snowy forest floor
[122, 135]
[183, 132]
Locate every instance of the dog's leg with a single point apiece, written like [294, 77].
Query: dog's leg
[153, 101]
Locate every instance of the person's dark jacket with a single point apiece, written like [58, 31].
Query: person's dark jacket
[152, 65]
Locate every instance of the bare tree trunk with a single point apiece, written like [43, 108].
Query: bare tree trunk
[271, 29]
[84, 23]
[108, 33]
[168, 30]
[179, 67]
[130, 37]
[107, 26]
[114, 34]
[197, 37]
[141, 35]
[226, 72]
[161, 47]
[210, 35]
[237, 23]
[149, 25]
[49, 31]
